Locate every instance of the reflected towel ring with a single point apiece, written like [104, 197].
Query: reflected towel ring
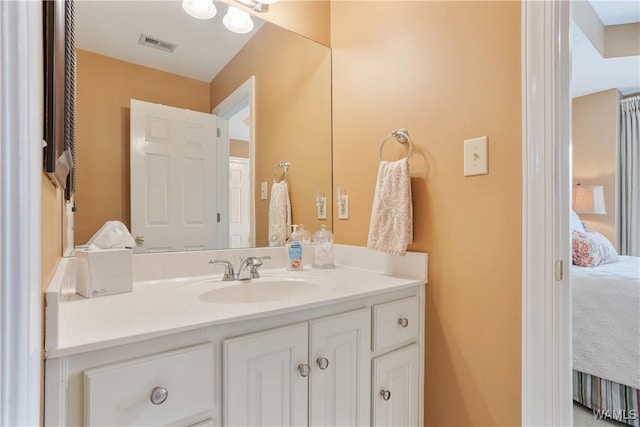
[402, 135]
[283, 165]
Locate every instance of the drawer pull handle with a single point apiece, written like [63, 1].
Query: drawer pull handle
[304, 369]
[403, 321]
[386, 394]
[159, 395]
[323, 363]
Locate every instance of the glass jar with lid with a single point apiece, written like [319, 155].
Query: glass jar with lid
[323, 248]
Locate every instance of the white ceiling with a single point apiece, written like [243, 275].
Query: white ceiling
[113, 28]
[593, 73]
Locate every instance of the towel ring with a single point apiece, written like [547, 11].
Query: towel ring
[283, 165]
[402, 135]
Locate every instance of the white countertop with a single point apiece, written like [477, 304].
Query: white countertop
[160, 307]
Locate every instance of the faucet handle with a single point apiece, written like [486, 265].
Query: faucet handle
[229, 274]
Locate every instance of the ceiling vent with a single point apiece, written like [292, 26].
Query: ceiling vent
[156, 43]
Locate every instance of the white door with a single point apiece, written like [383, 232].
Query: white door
[262, 383]
[339, 383]
[173, 178]
[239, 203]
[395, 388]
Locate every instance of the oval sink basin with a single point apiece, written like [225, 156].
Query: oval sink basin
[259, 290]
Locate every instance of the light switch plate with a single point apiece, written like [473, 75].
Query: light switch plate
[476, 161]
[263, 190]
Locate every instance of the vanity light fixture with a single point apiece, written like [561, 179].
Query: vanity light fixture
[201, 9]
[257, 5]
[237, 21]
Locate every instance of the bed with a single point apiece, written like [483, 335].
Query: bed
[606, 338]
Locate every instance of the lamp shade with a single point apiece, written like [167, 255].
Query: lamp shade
[588, 199]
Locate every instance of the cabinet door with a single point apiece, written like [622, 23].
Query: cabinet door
[339, 359]
[262, 385]
[395, 388]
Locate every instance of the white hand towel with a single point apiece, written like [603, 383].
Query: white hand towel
[279, 214]
[391, 228]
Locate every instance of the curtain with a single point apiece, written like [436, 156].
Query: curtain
[630, 177]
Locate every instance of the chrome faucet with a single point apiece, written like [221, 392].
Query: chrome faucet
[248, 268]
[251, 263]
[229, 274]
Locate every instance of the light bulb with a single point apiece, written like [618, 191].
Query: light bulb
[238, 21]
[201, 9]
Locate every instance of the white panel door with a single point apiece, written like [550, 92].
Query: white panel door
[262, 385]
[239, 203]
[339, 382]
[395, 388]
[173, 178]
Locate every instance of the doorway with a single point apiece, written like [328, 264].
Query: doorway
[236, 125]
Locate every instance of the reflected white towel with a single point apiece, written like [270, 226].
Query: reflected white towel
[391, 228]
[279, 214]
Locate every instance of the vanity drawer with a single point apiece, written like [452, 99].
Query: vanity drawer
[395, 323]
[180, 382]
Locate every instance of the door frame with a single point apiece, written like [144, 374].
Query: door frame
[546, 294]
[242, 96]
[22, 178]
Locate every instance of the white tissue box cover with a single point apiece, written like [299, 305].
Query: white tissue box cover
[103, 272]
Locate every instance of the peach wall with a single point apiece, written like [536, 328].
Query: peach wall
[447, 71]
[310, 18]
[51, 223]
[239, 148]
[293, 118]
[596, 129]
[105, 88]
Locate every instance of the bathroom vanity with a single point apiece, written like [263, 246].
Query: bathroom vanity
[317, 347]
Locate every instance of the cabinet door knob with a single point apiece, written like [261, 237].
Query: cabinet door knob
[139, 239]
[386, 394]
[403, 321]
[323, 363]
[158, 395]
[304, 369]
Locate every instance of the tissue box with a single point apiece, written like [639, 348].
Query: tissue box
[103, 272]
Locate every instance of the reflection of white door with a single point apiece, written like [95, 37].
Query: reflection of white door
[173, 178]
[239, 203]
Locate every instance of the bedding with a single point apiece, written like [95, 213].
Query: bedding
[606, 320]
[591, 249]
[607, 398]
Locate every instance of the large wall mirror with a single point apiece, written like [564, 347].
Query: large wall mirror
[156, 53]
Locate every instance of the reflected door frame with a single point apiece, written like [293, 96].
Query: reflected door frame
[241, 97]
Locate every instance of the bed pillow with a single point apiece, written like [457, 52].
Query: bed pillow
[576, 224]
[591, 249]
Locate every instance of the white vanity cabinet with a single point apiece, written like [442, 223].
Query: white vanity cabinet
[321, 364]
[314, 372]
[396, 370]
[165, 389]
[261, 382]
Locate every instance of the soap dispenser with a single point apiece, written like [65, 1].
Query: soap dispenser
[294, 250]
[323, 248]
